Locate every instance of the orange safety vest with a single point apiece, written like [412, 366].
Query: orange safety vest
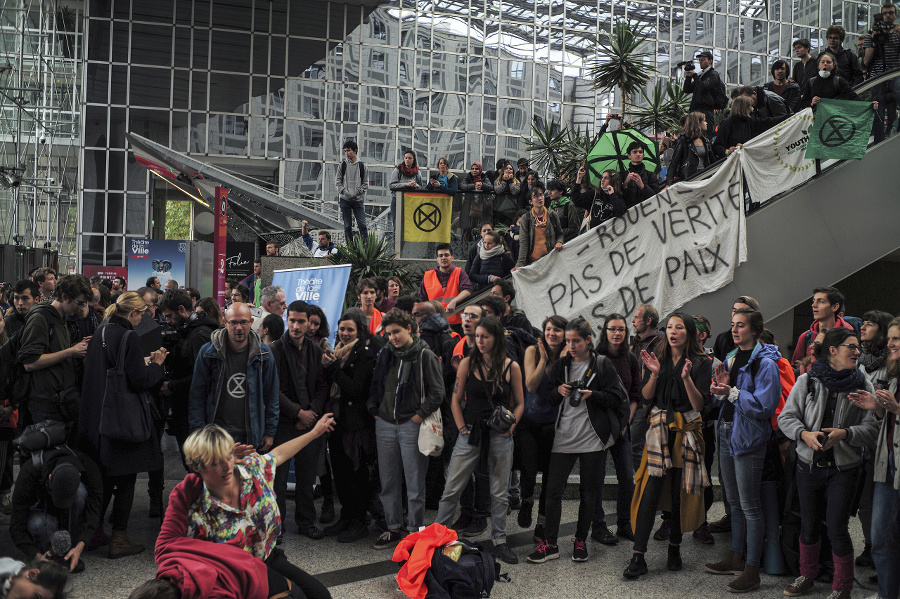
[436, 292]
[459, 350]
[375, 322]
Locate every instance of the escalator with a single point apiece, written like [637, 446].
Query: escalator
[833, 225]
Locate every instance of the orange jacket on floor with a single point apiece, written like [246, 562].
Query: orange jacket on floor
[417, 550]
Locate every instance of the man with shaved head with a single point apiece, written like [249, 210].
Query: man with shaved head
[235, 382]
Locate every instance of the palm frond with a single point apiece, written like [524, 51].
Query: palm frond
[662, 109]
[371, 256]
[548, 142]
[619, 64]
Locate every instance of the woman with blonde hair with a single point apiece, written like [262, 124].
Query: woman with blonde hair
[119, 461]
[230, 497]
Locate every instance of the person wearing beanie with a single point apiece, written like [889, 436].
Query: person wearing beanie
[58, 489]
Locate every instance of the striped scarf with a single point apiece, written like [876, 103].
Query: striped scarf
[687, 427]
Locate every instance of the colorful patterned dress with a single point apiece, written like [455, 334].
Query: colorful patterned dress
[256, 525]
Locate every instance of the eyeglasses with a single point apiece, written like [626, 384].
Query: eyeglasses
[419, 315]
[469, 315]
[615, 329]
[80, 303]
[851, 346]
[831, 38]
[238, 323]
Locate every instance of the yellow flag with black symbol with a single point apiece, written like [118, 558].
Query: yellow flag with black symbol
[426, 217]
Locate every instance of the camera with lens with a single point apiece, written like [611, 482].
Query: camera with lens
[687, 64]
[881, 30]
[577, 387]
[171, 340]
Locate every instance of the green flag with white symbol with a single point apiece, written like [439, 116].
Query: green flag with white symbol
[840, 130]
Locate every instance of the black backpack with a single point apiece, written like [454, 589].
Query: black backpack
[362, 170]
[472, 576]
[720, 96]
[15, 383]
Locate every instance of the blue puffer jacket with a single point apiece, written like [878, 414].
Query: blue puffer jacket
[759, 385]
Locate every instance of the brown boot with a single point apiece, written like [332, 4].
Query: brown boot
[747, 581]
[733, 563]
[120, 546]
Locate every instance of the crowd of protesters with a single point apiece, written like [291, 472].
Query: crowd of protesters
[242, 400]
[247, 388]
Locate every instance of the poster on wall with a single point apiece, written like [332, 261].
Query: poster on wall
[239, 259]
[323, 286]
[160, 258]
[106, 272]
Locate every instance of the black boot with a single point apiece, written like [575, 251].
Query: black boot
[674, 563]
[636, 567]
[156, 505]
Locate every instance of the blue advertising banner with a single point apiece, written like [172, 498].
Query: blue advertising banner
[160, 258]
[323, 286]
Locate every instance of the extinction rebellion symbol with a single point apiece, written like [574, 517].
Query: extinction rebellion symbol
[427, 217]
[836, 131]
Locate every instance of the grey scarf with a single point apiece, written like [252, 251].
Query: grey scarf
[495, 251]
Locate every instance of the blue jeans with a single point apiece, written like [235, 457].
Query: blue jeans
[622, 460]
[886, 534]
[42, 524]
[742, 476]
[398, 451]
[350, 209]
[463, 463]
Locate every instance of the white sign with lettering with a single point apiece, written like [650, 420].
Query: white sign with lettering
[673, 247]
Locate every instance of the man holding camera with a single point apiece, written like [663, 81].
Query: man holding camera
[882, 53]
[706, 86]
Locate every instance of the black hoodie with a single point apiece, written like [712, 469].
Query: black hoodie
[195, 333]
[633, 195]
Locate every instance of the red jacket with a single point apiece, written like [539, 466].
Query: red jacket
[201, 569]
[417, 550]
[805, 340]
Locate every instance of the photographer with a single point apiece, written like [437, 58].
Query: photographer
[706, 86]
[882, 53]
[485, 379]
[194, 330]
[592, 416]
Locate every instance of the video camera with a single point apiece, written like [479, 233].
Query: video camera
[688, 65]
[881, 30]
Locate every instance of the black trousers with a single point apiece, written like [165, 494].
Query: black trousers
[534, 443]
[123, 489]
[589, 467]
[647, 511]
[306, 465]
[826, 493]
[307, 583]
[156, 478]
[354, 489]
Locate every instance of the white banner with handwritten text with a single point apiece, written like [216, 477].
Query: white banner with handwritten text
[675, 246]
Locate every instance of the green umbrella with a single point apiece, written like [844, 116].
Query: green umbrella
[610, 154]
